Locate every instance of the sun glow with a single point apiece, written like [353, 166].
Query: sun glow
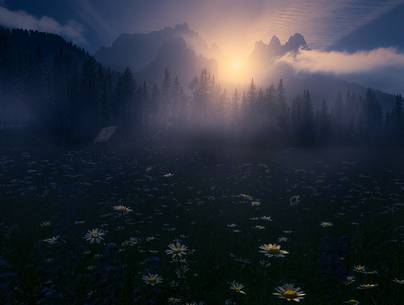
[236, 65]
[233, 69]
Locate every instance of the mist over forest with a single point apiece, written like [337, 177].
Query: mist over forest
[59, 91]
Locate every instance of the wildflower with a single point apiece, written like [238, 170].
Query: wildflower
[326, 224]
[289, 292]
[122, 209]
[255, 203]
[359, 269]
[397, 281]
[152, 279]
[352, 302]
[270, 250]
[51, 241]
[94, 236]
[266, 218]
[176, 250]
[173, 300]
[246, 197]
[367, 286]
[237, 287]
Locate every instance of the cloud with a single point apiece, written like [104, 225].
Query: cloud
[337, 18]
[343, 63]
[20, 19]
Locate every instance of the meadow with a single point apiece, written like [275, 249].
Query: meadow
[197, 226]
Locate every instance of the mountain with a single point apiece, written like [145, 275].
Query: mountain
[267, 69]
[264, 53]
[180, 60]
[148, 54]
[295, 43]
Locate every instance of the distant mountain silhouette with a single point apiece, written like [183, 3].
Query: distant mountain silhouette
[295, 43]
[264, 53]
[266, 69]
[385, 31]
[180, 60]
[148, 54]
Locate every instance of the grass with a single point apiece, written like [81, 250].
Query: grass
[359, 192]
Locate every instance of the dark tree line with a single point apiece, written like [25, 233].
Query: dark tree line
[61, 91]
[347, 119]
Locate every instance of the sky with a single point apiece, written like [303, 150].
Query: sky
[233, 23]
[234, 26]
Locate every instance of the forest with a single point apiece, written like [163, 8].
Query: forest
[63, 93]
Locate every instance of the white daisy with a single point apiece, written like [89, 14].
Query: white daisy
[270, 250]
[122, 209]
[94, 236]
[289, 293]
[237, 287]
[176, 250]
[152, 279]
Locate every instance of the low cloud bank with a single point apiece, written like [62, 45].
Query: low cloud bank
[343, 63]
[22, 20]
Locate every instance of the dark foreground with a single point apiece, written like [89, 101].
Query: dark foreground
[339, 213]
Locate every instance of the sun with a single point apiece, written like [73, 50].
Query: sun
[233, 69]
[236, 65]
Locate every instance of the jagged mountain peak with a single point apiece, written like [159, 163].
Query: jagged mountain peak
[275, 42]
[137, 50]
[263, 52]
[295, 43]
[183, 27]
